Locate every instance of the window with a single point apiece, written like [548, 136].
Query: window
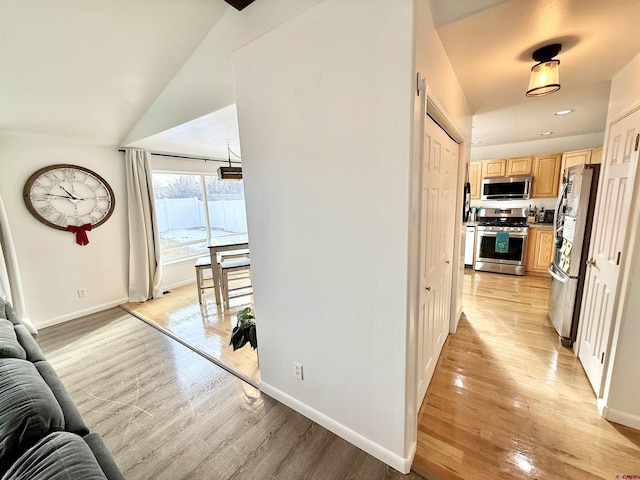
[186, 222]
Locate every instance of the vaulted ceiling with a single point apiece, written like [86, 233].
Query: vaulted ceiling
[157, 73]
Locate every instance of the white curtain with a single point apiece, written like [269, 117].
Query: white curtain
[145, 267]
[10, 281]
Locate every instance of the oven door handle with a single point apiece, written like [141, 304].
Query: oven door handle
[558, 275]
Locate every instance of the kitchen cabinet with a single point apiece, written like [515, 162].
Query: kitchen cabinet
[540, 249]
[475, 179]
[581, 157]
[494, 168]
[546, 175]
[519, 166]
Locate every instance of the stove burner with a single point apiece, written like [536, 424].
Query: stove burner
[498, 223]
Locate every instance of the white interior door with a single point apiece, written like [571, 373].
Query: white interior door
[437, 222]
[605, 253]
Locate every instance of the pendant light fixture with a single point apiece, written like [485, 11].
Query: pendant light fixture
[545, 75]
[230, 173]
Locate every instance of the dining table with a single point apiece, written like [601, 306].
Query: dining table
[224, 243]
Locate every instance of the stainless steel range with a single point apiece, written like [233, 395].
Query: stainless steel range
[502, 240]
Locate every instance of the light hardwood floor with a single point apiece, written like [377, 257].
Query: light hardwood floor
[508, 401]
[206, 328]
[166, 412]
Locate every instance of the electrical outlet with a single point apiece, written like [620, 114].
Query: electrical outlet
[297, 370]
[82, 292]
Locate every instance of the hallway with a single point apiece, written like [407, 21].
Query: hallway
[508, 401]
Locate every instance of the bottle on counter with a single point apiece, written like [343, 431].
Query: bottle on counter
[541, 216]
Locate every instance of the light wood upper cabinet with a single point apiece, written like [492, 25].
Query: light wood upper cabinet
[494, 168]
[540, 250]
[579, 157]
[475, 179]
[519, 166]
[596, 155]
[546, 175]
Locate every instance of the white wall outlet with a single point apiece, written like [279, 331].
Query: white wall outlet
[297, 370]
[82, 292]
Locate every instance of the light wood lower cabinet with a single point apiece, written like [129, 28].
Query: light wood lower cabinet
[540, 250]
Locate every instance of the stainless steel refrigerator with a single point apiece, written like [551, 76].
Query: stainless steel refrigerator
[573, 221]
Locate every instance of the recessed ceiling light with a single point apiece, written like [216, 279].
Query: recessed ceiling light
[563, 112]
[476, 142]
[546, 133]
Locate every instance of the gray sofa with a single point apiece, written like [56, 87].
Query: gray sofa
[42, 434]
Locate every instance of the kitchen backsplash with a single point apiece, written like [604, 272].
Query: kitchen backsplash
[547, 203]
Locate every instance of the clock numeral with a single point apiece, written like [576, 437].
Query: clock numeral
[69, 174]
[46, 210]
[60, 219]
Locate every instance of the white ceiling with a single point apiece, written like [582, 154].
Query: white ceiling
[207, 136]
[490, 42]
[90, 70]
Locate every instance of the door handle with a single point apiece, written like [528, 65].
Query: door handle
[591, 262]
[428, 289]
[447, 262]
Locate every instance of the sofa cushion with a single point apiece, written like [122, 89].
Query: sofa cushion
[73, 421]
[58, 456]
[28, 412]
[9, 345]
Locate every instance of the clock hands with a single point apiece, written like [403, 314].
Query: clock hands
[73, 199]
[71, 195]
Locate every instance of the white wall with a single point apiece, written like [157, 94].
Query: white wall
[431, 61]
[205, 83]
[622, 385]
[52, 266]
[324, 107]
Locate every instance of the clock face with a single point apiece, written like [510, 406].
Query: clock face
[63, 195]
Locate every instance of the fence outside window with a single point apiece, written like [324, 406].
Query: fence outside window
[186, 222]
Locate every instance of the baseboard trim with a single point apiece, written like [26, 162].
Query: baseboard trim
[401, 464]
[622, 418]
[81, 313]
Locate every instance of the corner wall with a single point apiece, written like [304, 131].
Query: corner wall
[52, 266]
[324, 107]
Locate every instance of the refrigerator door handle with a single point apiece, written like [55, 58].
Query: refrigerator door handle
[558, 205]
[558, 276]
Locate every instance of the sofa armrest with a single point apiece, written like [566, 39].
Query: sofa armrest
[31, 347]
[72, 419]
[106, 461]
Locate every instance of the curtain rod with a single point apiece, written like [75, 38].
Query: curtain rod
[205, 159]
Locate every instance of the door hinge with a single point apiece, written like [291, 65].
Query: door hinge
[602, 358]
[637, 141]
[618, 259]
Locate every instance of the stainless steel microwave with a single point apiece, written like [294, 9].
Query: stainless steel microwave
[506, 188]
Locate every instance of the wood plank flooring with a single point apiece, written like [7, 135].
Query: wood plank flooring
[507, 401]
[206, 328]
[166, 412]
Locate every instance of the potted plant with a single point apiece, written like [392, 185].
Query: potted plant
[245, 330]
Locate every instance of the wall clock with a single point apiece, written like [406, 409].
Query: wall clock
[69, 197]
